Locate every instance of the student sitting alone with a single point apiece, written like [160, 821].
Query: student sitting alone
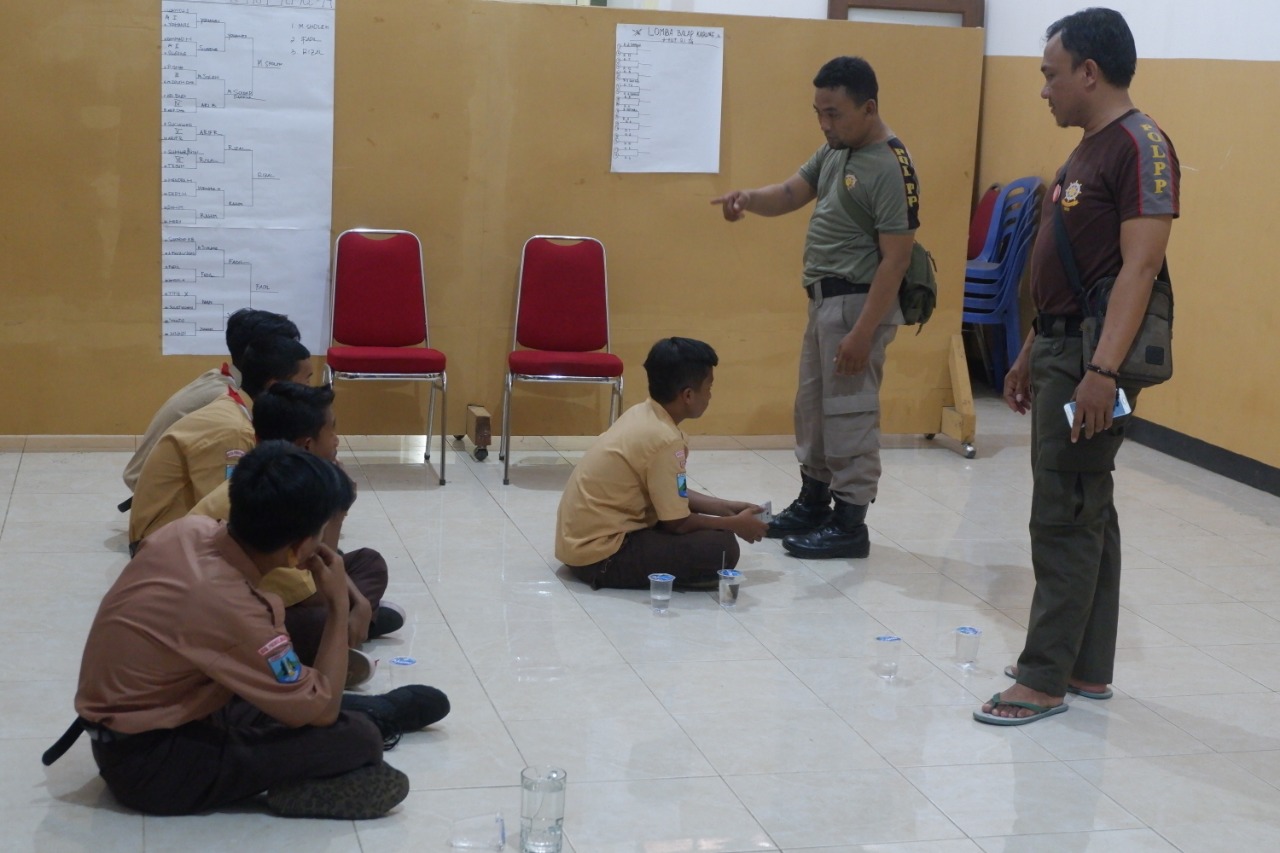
[190, 688]
[627, 510]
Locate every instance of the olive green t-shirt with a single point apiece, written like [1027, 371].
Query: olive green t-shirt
[882, 179]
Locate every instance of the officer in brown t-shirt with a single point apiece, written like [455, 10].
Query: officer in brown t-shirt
[1117, 196]
[190, 688]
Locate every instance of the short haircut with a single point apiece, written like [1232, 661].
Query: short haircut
[347, 491]
[268, 360]
[289, 412]
[853, 73]
[249, 323]
[1103, 36]
[678, 363]
[281, 494]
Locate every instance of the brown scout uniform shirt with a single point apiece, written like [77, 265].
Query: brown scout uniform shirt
[183, 629]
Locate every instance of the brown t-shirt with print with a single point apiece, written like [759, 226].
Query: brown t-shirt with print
[1126, 170]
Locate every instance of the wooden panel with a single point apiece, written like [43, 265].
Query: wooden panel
[474, 125]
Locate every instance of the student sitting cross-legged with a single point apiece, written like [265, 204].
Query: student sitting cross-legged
[304, 416]
[190, 688]
[627, 510]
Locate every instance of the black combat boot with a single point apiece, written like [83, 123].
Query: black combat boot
[844, 535]
[806, 514]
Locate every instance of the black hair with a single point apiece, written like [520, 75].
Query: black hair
[347, 491]
[248, 324]
[1103, 36]
[289, 411]
[853, 73]
[268, 360]
[281, 494]
[678, 363]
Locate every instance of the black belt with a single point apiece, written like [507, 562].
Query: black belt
[1058, 325]
[97, 734]
[102, 734]
[833, 286]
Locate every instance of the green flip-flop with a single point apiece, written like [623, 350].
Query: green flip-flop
[1041, 711]
[1088, 694]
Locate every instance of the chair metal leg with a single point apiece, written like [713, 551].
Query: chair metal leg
[505, 448]
[431, 418]
[615, 400]
[444, 414]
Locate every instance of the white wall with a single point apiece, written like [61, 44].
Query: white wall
[1163, 29]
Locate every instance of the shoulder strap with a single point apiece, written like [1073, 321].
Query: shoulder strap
[860, 215]
[1068, 256]
[1065, 252]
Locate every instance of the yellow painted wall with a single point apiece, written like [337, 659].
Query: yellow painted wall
[1227, 305]
[474, 124]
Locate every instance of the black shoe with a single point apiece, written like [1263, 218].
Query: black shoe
[361, 794]
[387, 619]
[844, 535]
[405, 709]
[806, 513]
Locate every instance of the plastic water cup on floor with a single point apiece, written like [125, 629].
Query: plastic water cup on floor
[541, 809]
[660, 591]
[888, 653]
[483, 832]
[730, 583]
[967, 640]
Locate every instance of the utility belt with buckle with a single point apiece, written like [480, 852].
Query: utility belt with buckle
[836, 286]
[1058, 325]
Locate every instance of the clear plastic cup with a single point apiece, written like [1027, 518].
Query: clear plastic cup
[541, 809]
[482, 832]
[888, 653]
[660, 591]
[967, 640]
[730, 581]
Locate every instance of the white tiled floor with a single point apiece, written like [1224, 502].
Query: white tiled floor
[758, 729]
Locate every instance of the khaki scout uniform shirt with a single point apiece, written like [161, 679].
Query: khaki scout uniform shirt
[189, 461]
[182, 630]
[631, 478]
[292, 585]
[198, 393]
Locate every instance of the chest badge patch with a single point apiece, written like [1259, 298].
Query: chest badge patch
[682, 486]
[850, 181]
[1072, 196]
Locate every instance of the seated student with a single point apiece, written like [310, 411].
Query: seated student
[190, 688]
[626, 511]
[202, 448]
[303, 415]
[242, 327]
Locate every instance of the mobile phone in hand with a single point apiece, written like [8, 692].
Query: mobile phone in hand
[1121, 408]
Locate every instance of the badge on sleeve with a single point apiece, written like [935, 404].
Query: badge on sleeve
[682, 487]
[282, 659]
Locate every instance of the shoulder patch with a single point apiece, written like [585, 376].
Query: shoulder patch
[274, 644]
[910, 184]
[285, 666]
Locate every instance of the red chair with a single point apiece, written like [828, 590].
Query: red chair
[980, 222]
[562, 323]
[379, 317]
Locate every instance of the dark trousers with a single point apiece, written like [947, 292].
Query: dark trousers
[1075, 532]
[694, 558]
[305, 624]
[235, 753]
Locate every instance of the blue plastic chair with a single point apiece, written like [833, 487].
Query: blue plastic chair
[991, 280]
